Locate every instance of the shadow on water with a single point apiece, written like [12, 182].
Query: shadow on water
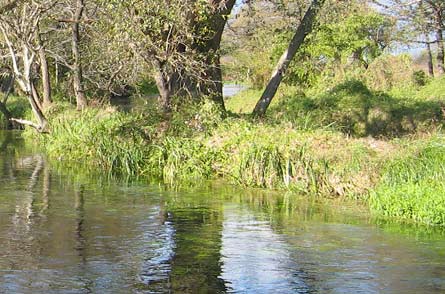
[76, 233]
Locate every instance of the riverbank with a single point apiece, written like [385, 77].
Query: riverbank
[194, 239]
[315, 146]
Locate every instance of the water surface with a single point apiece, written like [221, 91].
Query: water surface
[69, 232]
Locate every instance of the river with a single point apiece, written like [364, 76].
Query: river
[63, 230]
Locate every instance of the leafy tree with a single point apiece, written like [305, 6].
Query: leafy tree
[303, 30]
[179, 40]
[420, 21]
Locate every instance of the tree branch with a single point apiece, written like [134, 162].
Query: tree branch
[29, 123]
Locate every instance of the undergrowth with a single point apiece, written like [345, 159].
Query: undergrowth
[412, 187]
[348, 141]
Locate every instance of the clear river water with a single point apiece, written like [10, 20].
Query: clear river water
[65, 231]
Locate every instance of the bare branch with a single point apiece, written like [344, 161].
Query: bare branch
[29, 123]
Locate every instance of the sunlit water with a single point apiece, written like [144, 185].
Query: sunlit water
[67, 232]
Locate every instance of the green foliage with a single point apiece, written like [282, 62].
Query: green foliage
[413, 187]
[19, 108]
[358, 35]
[420, 78]
[113, 141]
[389, 71]
[147, 88]
[434, 90]
[347, 37]
[177, 160]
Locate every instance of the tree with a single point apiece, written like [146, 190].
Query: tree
[44, 69]
[420, 20]
[20, 28]
[79, 90]
[179, 40]
[303, 30]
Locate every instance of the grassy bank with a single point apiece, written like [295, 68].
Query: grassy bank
[413, 186]
[347, 142]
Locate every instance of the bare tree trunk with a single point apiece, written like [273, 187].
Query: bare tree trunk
[42, 124]
[81, 100]
[165, 84]
[213, 73]
[303, 30]
[164, 92]
[430, 57]
[36, 95]
[440, 52]
[46, 82]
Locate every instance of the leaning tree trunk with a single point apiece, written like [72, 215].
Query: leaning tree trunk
[81, 100]
[38, 113]
[303, 30]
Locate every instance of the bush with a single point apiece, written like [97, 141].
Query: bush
[420, 78]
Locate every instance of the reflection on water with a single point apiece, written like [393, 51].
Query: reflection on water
[255, 258]
[62, 233]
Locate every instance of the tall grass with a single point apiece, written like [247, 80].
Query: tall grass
[107, 139]
[413, 187]
[344, 142]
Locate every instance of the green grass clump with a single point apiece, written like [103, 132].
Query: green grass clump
[317, 162]
[107, 139]
[125, 143]
[413, 187]
[423, 201]
[179, 159]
